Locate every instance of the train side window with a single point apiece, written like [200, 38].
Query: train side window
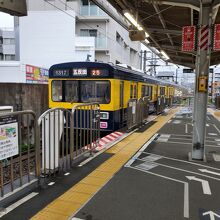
[150, 89]
[57, 88]
[135, 91]
[71, 91]
[143, 91]
[162, 90]
[131, 91]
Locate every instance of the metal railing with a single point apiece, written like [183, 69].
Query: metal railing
[66, 135]
[55, 139]
[86, 127]
[132, 114]
[137, 112]
[217, 102]
[19, 154]
[161, 104]
[142, 110]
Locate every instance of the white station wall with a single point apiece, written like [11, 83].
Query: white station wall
[47, 37]
[11, 72]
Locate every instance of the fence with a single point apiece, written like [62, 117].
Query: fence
[161, 104]
[18, 150]
[65, 135]
[217, 102]
[137, 112]
[86, 127]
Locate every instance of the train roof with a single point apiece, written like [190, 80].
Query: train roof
[118, 70]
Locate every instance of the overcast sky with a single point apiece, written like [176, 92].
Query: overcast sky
[6, 20]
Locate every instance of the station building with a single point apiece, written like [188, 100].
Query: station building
[7, 44]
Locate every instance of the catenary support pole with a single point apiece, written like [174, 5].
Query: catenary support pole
[201, 86]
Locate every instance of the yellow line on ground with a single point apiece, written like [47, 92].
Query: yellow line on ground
[215, 113]
[66, 205]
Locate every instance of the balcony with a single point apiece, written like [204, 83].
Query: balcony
[92, 10]
[100, 43]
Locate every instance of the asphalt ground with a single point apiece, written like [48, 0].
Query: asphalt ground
[160, 183]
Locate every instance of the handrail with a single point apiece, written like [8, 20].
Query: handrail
[51, 110]
[84, 104]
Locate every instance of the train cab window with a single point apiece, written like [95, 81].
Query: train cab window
[71, 91]
[95, 91]
[57, 88]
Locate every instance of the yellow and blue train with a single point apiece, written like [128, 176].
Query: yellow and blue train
[112, 86]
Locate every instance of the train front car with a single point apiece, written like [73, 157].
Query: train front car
[71, 84]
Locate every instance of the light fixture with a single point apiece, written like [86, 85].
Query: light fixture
[131, 19]
[134, 22]
[165, 55]
[147, 41]
[140, 28]
[146, 34]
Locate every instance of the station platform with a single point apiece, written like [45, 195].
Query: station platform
[145, 176]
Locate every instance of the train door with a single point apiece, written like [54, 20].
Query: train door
[121, 105]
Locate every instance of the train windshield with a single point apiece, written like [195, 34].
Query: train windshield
[95, 91]
[71, 91]
[81, 91]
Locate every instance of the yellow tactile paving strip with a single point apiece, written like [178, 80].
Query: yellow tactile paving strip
[215, 113]
[66, 205]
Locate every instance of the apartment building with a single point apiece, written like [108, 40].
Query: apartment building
[7, 44]
[111, 41]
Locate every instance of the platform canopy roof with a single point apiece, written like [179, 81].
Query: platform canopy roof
[164, 20]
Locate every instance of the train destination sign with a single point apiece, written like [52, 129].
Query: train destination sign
[80, 72]
[8, 137]
[188, 38]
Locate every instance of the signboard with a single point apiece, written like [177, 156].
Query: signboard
[36, 75]
[8, 137]
[188, 38]
[217, 37]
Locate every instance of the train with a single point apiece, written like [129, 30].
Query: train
[112, 86]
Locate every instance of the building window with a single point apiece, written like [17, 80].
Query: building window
[119, 39]
[88, 32]
[9, 57]
[87, 2]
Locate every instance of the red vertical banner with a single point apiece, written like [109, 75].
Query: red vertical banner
[216, 45]
[188, 38]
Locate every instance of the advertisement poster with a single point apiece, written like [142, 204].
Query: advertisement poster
[8, 137]
[217, 37]
[36, 75]
[188, 38]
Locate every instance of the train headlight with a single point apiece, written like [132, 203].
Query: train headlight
[104, 115]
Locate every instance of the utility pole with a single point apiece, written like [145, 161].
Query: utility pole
[145, 60]
[201, 83]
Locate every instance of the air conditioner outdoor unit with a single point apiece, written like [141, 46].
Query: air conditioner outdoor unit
[136, 35]
[6, 109]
